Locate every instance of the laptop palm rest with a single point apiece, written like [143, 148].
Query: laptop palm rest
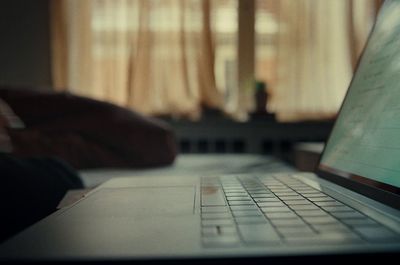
[116, 222]
[136, 202]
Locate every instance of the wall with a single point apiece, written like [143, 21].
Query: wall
[24, 43]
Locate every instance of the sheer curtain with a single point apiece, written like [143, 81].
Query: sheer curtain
[317, 44]
[174, 56]
[154, 56]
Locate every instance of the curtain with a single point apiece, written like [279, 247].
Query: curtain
[176, 56]
[155, 56]
[318, 44]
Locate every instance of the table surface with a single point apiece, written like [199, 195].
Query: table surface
[194, 165]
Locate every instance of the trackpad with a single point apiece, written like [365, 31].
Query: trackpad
[136, 202]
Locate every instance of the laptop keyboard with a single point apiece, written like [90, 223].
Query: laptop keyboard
[248, 210]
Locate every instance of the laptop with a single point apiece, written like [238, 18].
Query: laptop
[350, 206]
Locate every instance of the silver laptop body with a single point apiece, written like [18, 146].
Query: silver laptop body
[351, 206]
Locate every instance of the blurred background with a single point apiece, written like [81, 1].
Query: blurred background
[257, 63]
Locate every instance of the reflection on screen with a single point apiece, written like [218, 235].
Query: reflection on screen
[366, 138]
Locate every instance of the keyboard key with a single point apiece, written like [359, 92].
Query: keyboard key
[256, 188]
[306, 213]
[225, 215]
[258, 233]
[321, 199]
[270, 204]
[247, 213]
[308, 191]
[236, 194]
[284, 193]
[214, 209]
[212, 196]
[270, 181]
[276, 187]
[281, 215]
[232, 203]
[233, 188]
[261, 196]
[258, 192]
[294, 184]
[267, 200]
[250, 219]
[240, 190]
[320, 220]
[303, 187]
[304, 207]
[233, 198]
[312, 195]
[290, 181]
[287, 222]
[244, 207]
[291, 198]
[275, 209]
[329, 203]
[298, 202]
[280, 194]
[377, 233]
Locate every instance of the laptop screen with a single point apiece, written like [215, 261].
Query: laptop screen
[365, 142]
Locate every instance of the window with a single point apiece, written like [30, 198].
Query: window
[174, 57]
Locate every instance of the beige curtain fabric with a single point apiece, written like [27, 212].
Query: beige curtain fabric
[59, 44]
[155, 56]
[318, 44]
[158, 56]
[171, 66]
[362, 16]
